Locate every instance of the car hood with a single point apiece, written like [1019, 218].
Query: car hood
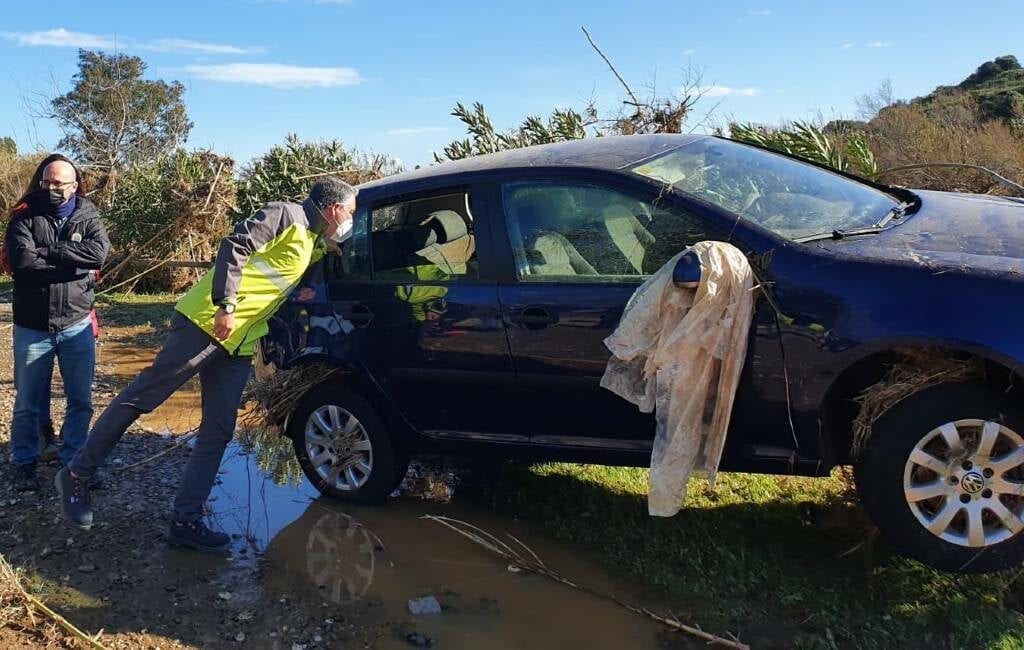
[949, 230]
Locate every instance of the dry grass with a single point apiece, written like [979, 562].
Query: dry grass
[917, 370]
[906, 135]
[22, 612]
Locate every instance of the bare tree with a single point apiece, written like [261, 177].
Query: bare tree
[871, 104]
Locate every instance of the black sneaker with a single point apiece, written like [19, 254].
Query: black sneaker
[196, 535]
[25, 479]
[74, 498]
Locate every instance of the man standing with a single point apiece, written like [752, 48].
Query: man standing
[54, 242]
[214, 333]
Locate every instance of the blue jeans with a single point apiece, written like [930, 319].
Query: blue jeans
[34, 351]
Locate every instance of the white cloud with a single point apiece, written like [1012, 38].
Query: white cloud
[61, 38]
[729, 91]
[878, 44]
[847, 46]
[64, 38]
[760, 12]
[278, 75]
[416, 130]
[689, 52]
[188, 46]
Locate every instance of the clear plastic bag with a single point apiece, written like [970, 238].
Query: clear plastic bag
[679, 353]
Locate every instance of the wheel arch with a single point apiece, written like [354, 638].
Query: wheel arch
[838, 410]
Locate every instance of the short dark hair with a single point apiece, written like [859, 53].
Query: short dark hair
[330, 190]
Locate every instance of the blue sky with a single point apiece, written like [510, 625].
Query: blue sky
[383, 75]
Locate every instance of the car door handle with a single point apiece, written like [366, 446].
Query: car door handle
[359, 315]
[533, 318]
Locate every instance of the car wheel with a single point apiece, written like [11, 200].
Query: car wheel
[942, 476]
[343, 447]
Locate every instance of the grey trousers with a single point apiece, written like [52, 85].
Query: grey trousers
[188, 351]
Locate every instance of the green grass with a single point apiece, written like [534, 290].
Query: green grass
[765, 556]
[134, 309]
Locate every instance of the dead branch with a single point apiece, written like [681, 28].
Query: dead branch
[611, 67]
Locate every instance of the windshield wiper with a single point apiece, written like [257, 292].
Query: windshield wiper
[896, 212]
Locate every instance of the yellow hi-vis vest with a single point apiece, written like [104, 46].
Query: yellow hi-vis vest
[257, 267]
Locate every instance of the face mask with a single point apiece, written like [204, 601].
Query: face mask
[55, 197]
[343, 232]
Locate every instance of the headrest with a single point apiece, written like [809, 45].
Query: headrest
[448, 226]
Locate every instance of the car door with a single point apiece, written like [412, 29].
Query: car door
[436, 340]
[579, 251]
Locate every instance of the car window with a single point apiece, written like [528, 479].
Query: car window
[588, 233]
[429, 239]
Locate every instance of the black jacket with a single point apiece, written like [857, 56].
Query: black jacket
[53, 286]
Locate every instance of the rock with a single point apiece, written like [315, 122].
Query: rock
[424, 605]
[87, 568]
[418, 640]
[224, 595]
[240, 637]
[46, 551]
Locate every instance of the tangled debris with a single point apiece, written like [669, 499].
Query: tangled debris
[916, 370]
[270, 397]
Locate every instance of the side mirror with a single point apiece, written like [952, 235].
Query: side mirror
[686, 274]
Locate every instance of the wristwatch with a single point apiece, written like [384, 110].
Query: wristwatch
[228, 307]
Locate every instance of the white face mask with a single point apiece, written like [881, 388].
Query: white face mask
[342, 232]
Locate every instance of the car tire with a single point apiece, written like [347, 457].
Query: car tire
[343, 447]
[942, 476]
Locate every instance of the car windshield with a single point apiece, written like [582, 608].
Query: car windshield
[793, 199]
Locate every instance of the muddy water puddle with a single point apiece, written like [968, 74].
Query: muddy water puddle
[373, 560]
[123, 362]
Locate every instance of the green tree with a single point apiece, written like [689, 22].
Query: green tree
[288, 171]
[113, 119]
[8, 146]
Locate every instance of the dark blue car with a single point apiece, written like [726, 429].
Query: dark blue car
[468, 312]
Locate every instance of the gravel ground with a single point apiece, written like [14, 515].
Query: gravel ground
[121, 577]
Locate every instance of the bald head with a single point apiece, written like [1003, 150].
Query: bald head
[59, 176]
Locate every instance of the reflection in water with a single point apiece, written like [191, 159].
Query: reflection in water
[340, 556]
[322, 552]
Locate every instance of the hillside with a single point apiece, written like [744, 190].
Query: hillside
[995, 91]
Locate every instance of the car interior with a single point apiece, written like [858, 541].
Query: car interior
[587, 232]
[427, 239]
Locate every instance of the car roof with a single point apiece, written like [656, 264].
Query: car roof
[607, 153]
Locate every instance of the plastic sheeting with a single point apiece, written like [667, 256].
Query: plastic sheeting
[679, 353]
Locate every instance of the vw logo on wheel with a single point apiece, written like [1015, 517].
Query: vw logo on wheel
[972, 482]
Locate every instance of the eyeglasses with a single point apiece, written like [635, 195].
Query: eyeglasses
[55, 185]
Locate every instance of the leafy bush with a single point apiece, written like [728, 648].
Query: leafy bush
[288, 171]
